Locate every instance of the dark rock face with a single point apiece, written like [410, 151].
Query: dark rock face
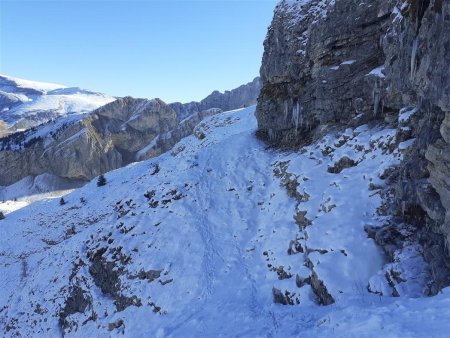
[77, 302]
[316, 63]
[417, 48]
[347, 62]
[242, 96]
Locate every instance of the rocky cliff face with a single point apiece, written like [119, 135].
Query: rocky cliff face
[114, 135]
[121, 132]
[318, 57]
[341, 62]
[417, 49]
[242, 96]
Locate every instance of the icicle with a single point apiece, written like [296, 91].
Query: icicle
[272, 135]
[376, 98]
[286, 111]
[295, 115]
[376, 102]
[413, 58]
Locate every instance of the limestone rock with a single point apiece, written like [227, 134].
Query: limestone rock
[113, 136]
[417, 48]
[347, 62]
[317, 58]
[242, 96]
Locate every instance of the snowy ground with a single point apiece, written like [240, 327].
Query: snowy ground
[33, 189]
[192, 244]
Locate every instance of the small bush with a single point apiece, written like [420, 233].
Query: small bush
[61, 201]
[101, 180]
[2, 216]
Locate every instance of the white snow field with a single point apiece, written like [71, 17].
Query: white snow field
[25, 104]
[32, 189]
[192, 243]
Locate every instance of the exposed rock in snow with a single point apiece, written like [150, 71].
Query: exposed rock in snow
[195, 244]
[337, 80]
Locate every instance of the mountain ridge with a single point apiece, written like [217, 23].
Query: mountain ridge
[242, 96]
[116, 134]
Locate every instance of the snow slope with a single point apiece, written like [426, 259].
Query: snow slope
[31, 189]
[193, 243]
[25, 104]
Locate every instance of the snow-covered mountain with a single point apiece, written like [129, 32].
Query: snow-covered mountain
[323, 211]
[54, 135]
[222, 236]
[25, 104]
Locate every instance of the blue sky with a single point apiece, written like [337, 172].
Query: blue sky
[175, 50]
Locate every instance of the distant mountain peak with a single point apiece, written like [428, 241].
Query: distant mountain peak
[8, 82]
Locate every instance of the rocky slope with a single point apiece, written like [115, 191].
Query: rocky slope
[242, 96]
[346, 62]
[222, 237]
[114, 135]
[121, 132]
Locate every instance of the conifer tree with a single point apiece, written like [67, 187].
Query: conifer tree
[101, 180]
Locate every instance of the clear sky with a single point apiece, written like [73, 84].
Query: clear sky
[175, 50]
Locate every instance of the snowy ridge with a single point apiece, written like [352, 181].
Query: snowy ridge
[201, 241]
[25, 104]
[14, 84]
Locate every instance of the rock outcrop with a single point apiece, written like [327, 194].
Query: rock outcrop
[417, 48]
[242, 96]
[318, 57]
[121, 132]
[329, 63]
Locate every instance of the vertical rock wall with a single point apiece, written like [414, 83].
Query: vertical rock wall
[417, 48]
[317, 59]
[347, 62]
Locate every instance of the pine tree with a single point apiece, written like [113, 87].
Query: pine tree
[2, 216]
[61, 201]
[101, 180]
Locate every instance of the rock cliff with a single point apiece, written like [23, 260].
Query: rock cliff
[417, 49]
[242, 96]
[114, 135]
[331, 63]
[318, 57]
[121, 132]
